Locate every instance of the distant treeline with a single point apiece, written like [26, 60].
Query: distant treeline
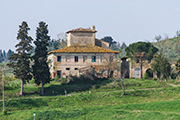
[5, 55]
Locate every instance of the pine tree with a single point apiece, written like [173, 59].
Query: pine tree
[20, 61]
[40, 68]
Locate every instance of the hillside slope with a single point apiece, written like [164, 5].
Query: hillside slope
[170, 48]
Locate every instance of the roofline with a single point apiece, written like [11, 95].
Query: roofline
[73, 31]
[102, 40]
[51, 52]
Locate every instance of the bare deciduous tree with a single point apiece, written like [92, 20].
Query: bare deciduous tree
[110, 63]
[123, 68]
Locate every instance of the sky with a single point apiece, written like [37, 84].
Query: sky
[126, 21]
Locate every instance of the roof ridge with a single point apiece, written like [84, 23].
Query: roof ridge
[81, 29]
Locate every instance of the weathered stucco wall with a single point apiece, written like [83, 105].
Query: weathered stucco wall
[81, 38]
[68, 61]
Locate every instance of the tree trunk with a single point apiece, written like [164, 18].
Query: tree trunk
[108, 74]
[122, 85]
[42, 88]
[22, 83]
[141, 66]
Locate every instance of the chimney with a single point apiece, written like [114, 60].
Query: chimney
[94, 27]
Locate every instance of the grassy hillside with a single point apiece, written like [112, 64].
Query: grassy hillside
[144, 99]
[170, 48]
[137, 105]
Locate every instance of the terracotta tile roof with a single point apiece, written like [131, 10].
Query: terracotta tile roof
[83, 49]
[82, 30]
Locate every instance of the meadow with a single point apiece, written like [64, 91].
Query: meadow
[144, 99]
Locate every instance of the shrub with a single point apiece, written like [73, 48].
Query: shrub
[96, 86]
[174, 75]
[32, 80]
[145, 76]
[63, 80]
[155, 78]
[4, 112]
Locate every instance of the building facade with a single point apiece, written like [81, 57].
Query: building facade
[83, 51]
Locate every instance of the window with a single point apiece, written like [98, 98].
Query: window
[84, 58]
[58, 58]
[76, 58]
[101, 58]
[93, 58]
[67, 58]
[67, 68]
[75, 68]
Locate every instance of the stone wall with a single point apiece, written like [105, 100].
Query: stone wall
[134, 65]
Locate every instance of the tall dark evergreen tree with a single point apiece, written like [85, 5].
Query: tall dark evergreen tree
[20, 61]
[40, 68]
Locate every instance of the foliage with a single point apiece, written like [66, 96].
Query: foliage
[40, 68]
[170, 48]
[53, 45]
[178, 66]
[109, 63]
[122, 51]
[161, 66]
[109, 40]
[115, 46]
[58, 43]
[9, 53]
[145, 76]
[20, 61]
[158, 37]
[7, 70]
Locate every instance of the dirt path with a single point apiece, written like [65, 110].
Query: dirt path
[173, 85]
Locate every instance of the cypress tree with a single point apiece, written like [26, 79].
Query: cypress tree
[20, 60]
[40, 68]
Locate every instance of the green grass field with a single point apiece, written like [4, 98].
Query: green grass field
[144, 99]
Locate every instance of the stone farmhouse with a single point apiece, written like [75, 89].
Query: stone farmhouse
[83, 51]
